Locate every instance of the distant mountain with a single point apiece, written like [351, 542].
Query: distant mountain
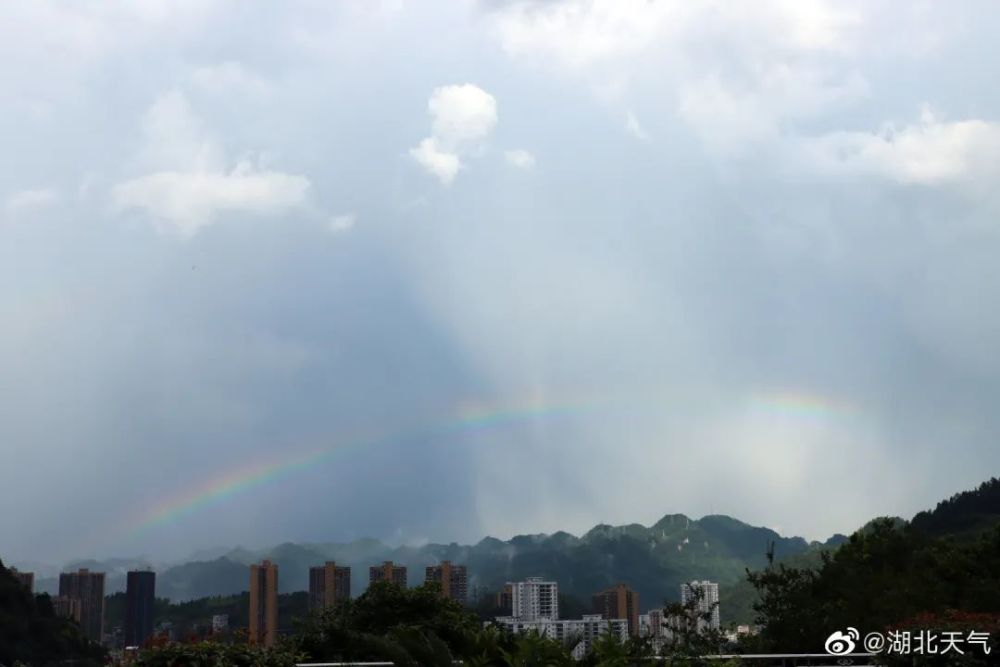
[655, 560]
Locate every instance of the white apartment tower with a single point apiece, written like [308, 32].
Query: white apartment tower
[708, 602]
[535, 608]
[535, 600]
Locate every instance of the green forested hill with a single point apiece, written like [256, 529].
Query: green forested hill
[965, 514]
[890, 570]
[653, 559]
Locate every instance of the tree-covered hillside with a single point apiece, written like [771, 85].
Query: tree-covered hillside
[964, 514]
[31, 633]
[655, 560]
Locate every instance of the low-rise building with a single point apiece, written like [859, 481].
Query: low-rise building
[220, 623]
[586, 629]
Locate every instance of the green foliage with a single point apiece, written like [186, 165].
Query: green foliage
[880, 577]
[408, 626]
[215, 654]
[31, 633]
[691, 633]
[419, 627]
[610, 651]
[193, 618]
[968, 513]
[531, 649]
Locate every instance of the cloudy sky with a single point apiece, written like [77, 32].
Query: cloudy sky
[506, 266]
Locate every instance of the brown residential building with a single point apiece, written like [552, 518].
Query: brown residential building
[88, 588]
[27, 579]
[264, 603]
[387, 572]
[619, 602]
[328, 585]
[452, 578]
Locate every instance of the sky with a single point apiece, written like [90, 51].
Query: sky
[430, 271]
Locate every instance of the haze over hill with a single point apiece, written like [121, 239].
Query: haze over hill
[654, 559]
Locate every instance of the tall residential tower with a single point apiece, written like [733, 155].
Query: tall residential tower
[264, 603]
[140, 596]
[395, 574]
[619, 602]
[328, 584]
[452, 578]
[703, 596]
[88, 589]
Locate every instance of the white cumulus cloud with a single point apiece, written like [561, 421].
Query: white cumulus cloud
[633, 127]
[519, 158]
[930, 152]
[27, 200]
[342, 223]
[190, 200]
[440, 163]
[230, 77]
[190, 183]
[462, 116]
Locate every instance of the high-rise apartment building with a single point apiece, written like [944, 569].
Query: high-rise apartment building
[534, 599]
[535, 606]
[703, 596]
[264, 603]
[395, 574]
[452, 578]
[619, 602]
[66, 607]
[27, 579]
[140, 597]
[328, 585]
[88, 588]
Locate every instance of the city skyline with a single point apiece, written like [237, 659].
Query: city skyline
[534, 605]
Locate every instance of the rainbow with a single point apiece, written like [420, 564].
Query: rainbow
[787, 405]
[235, 481]
[800, 406]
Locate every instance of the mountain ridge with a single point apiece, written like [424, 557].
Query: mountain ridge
[654, 559]
[673, 549]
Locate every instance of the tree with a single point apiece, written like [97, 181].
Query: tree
[885, 574]
[31, 633]
[217, 654]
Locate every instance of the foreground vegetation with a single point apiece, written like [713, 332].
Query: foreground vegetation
[31, 633]
[414, 627]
